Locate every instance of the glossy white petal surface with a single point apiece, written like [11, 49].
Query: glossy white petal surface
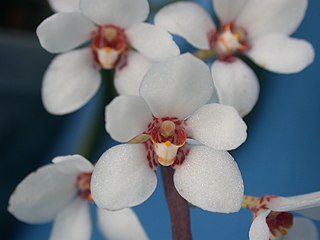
[210, 179]
[302, 229]
[217, 126]
[313, 213]
[177, 87]
[128, 78]
[122, 177]
[236, 84]
[122, 13]
[69, 82]
[152, 41]
[228, 10]
[73, 222]
[64, 6]
[259, 18]
[188, 20]
[42, 194]
[64, 31]
[299, 202]
[127, 117]
[120, 225]
[281, 54]
[259, 229]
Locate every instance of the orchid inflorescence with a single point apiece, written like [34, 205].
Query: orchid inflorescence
[173, 110]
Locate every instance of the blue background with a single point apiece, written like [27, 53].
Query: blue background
[280, 156]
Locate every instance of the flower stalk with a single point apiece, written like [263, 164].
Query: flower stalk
[178, 207]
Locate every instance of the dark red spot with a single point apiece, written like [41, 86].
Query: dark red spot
[83, 186]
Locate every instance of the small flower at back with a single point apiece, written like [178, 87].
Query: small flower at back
[171, 110]
[61, 192]
[257, 29]
[272, 217]
[118, 39]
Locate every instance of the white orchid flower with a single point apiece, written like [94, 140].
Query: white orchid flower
[119, 39]
[255, 28]
[273, 220]
[60, 192]
[170, 109]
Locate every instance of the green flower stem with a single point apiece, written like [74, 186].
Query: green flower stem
[178, 207]
[96, 130]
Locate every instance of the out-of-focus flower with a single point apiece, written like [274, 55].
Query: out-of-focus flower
[119, 39]
[259, 30]
[272, 219]
[61, 192]
[170, 110]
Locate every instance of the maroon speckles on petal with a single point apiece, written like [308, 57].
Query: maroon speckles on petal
[151, 157]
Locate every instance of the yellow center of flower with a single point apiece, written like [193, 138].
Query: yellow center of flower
[163, 141]
[229, 40]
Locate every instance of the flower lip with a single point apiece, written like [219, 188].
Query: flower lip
[108, 44]
[279, 223]
[228, 41]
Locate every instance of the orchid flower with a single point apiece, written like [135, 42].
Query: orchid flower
[170, 110]
[272, 219]
[61, 192]
[258, 29]
[119, 39]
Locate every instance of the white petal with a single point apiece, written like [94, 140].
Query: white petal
[177, 87]
[122, 177]
[127, 117]
[210, 179]
[188, 20]
[228, 10]
[302, 229]
[42, 194]
[73, 222]
[236, 84]
[128, 78]
[152, 41]
[313, 213]
[304, 201]
[217, 126]
[69, 82]
[64, 31]
[120, 225]
[281, 54]
[123, 13]
[259, 229]
[64, 6]
[273, 16]
[73, 164]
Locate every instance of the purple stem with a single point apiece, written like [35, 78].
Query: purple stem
[178, 207]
